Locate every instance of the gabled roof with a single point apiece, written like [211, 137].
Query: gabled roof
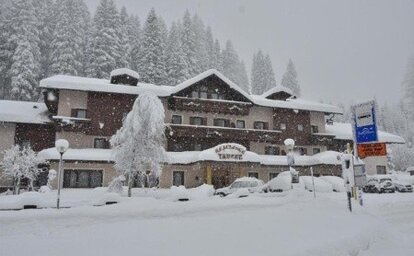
[277, 89]
[343, 131]
[206, 74]
[23, 112]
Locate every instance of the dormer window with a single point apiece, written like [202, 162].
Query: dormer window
[124, 76]
[79, 113]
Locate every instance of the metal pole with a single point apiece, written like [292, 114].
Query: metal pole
[313, 182]
[59, 178]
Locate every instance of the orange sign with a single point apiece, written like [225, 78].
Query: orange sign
[372, 149]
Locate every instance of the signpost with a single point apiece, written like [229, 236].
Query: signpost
[365, 141]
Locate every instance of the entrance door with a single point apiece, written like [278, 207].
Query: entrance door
[221, 178]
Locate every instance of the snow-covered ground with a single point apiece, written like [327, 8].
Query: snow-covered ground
[151, 223]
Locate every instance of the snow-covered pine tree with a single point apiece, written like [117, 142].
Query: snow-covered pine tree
[231, 63]
[243, 78]
[176, 66]
[217, 58]
[106, 44]
[135, 38]
[189, 41]
[209, 44]
[270, 80]
[164, 40]
[290, 80]
[6, 51]
[408, 89]
[45, 11]
[68, 44]
[25, 68]
[201, 44]
[152, 67]
[125, 42]
[258, 74]
[138, 145]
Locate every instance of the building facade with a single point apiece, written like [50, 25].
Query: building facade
[202, 115]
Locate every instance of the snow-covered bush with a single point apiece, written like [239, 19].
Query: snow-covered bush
[138, 146]
[116, 185]
[20, 162]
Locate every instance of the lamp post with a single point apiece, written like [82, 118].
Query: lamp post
[61, 146]
[290, 144]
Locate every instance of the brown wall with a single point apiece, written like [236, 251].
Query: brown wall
[40, 136]
[292, 119]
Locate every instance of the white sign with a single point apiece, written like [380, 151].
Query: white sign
[229, 151]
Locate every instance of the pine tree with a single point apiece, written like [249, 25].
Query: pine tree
[217, 57]
[152, 67]
[106, 47]
[231, 62]
[258, 74]
[408, 90]
[289, 79]
[270, 80]
[6, 52]
[210, 51]
[124, 40]
[176, 66]
[189, 45]
[200, 44]
[243, 78]
[68, 44]
[24, 36]
[135, 38]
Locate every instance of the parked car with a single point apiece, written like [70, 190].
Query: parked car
[383, 185]
[249, 183]
[402, 186]
[280, 183]
[386, 186]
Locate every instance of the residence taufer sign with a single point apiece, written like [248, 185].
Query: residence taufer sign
[228, 151]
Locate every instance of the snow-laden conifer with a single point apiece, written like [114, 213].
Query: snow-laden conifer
[290, 80]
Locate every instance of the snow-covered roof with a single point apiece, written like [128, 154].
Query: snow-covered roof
[206, 74]
[343, 131]
[101, 85]
[104, 85]
[123, 71]
[277, 89]
[188, 157]
[23, 112]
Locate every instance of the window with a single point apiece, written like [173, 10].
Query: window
[178, 178]
[176, 119]
[214, 95]
[260, 125]
[300, 127]
[282, 126]
[201, 92]
[301, 151]
[221, 122]
[273, 175]
[253, 174]
[314, 128]
[316, 151]
[82, 179]
[240, 124]
[272, 150]
[196, 120]
[381, 169]
[79, 113]
[100, 143]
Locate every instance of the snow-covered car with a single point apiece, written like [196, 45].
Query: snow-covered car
[249, 183]
[280, 183]
[402, 186]
[337, 183]
[386, 186]
[375, 185]
[320, 185]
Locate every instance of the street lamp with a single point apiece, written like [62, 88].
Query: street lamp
[290, 144]
[61, 146]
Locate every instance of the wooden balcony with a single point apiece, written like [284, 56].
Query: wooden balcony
[210, 105]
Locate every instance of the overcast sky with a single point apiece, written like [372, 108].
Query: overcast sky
[344, 51]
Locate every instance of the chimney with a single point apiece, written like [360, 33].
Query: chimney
[124, 76]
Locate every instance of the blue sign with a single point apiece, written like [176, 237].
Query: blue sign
[365, 123]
